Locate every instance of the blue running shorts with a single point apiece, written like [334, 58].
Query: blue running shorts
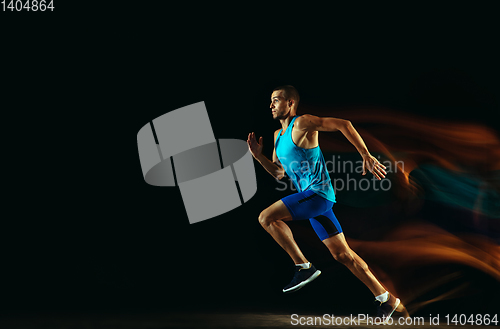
[309, 205]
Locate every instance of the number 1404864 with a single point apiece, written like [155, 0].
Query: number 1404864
[27, 5]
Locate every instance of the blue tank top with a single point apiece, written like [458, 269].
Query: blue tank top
[305, 167]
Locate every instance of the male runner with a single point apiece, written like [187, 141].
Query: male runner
[297, 153]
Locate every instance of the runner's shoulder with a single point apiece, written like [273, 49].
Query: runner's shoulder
[303, 121]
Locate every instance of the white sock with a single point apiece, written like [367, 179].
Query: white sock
[305, 265]
[383, 298]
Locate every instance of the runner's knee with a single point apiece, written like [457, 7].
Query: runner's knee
[265, 219]
[344, 257]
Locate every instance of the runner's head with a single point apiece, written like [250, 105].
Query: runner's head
[284, 102]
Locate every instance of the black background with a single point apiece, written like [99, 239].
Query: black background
[83, 231]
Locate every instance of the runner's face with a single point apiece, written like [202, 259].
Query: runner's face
[279, 106]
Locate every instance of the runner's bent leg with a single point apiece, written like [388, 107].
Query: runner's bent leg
[273, 220]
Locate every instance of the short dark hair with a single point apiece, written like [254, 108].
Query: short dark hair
[289, 92]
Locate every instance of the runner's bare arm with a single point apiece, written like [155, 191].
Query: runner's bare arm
[309, 122]
[273, 167]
